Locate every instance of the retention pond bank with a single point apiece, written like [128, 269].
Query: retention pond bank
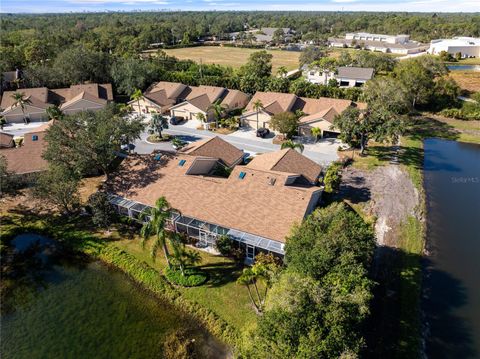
[68, 307]
[451, 292]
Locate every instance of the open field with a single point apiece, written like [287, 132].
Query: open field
[233, 56]
[467, 80]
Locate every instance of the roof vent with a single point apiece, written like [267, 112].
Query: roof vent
[242, 175]
[181, 162]
[271, 181]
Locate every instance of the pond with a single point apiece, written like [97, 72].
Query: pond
[464, 67]
[64, 307]
[451, 301]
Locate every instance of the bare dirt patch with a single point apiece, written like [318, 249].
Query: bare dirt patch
[387, 193]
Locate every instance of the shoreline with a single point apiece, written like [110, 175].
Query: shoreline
[138, 272]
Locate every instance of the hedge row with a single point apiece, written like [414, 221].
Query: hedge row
[137, 270]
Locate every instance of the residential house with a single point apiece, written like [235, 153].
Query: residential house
[272, 103]
[200, 99]
[256, 207]
[227, 154]
[160, 97]
[345, 76]
[27, 158]
[395, 44]
[465, 46]
[70, 100]
[314, 112]
[265, 34]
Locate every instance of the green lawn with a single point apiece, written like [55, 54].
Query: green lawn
[220, 294]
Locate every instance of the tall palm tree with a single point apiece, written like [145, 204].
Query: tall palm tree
[257, 106]
[249, 277]
[156, 226]
[54, 113]
[293, 145]
[22, 101]
[218, 111]
[137, 95]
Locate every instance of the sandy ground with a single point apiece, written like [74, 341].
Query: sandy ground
[386, 193]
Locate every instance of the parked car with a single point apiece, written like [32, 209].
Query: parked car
[263, 132]
[175, 120]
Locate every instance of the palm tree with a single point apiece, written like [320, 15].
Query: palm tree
[249, 277]
[282, 71]
[218, 111]
[20, 100]
[54, 113]
[257, 106]
[183, 258]
[293, 145]
[201, 117]
[316, 132]
[137, 95]
[156, 226]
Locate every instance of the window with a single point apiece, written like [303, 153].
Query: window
[182, 162]
[34, 138]
[242, 175]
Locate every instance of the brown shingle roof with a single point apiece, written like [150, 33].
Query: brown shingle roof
[38, 96]
[6, 139]
[215, 147]
[28, 157]
[273, 102]
[251, 204]
[287, 160]
[171, 90]
[235, 99]
[327, 114]
[312, 105]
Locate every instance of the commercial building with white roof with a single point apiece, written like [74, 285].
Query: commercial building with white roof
[466, 46]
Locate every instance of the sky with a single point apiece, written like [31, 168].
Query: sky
[42, 6]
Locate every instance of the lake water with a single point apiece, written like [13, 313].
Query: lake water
[464, 67]
[78, 309]
[452, 283]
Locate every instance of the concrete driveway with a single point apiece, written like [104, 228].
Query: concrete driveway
[323, 152]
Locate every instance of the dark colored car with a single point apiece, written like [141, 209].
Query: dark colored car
[176, 120]
[263, 132]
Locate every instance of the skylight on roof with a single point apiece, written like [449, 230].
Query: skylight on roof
[181, 162]
[242, 175]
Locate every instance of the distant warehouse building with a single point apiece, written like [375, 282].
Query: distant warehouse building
[466, 46]
[395, 44]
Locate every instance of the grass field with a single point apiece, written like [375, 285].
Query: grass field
[233, 56]
[467, 80]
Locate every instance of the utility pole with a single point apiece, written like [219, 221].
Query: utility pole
[201, 73]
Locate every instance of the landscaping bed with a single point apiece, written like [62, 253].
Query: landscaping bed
[191, 277]
[155, 138]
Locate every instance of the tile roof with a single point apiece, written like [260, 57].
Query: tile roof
[289, 161]
[257, 204]
[215, 147]
[327, 114]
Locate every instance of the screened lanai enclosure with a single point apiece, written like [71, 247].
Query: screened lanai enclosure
[204, 233]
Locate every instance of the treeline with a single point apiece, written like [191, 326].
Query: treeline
[31, 39]
[81, 64]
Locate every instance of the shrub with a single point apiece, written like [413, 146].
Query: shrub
[333, 178]
[192, 277]
[103, 213]
[224, 245]
[179, 345]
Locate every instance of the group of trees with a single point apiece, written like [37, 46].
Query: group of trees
[82, 144]
[37, 39]
[316, 305]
